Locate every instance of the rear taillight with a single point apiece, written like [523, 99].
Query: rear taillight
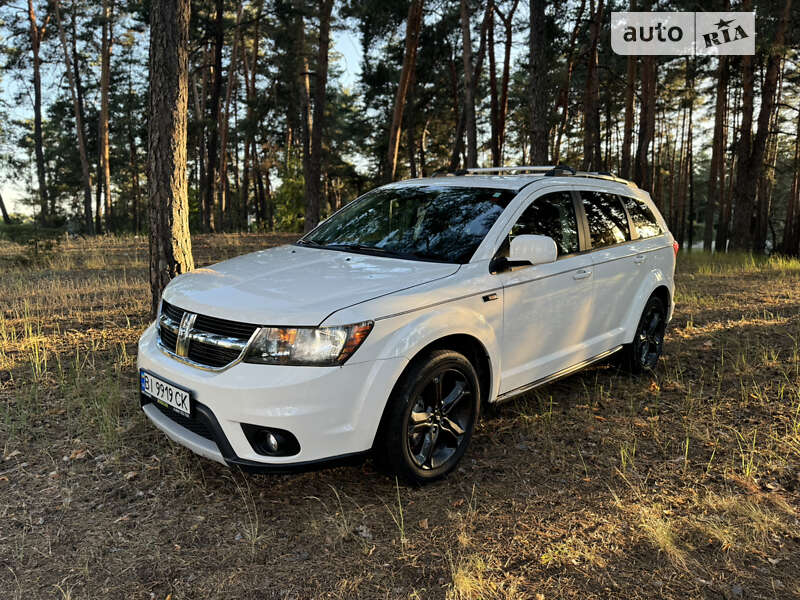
[676, 246]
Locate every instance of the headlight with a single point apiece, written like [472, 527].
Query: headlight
[312, 346]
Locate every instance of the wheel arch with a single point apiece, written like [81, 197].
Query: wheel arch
[467, 344]
[654, 285]
[662, 293]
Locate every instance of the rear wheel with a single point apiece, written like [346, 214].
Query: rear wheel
[430, 418]
[648, 342]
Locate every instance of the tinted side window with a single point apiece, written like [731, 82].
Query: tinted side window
[552, 215]
[608, 223]
[643, 219]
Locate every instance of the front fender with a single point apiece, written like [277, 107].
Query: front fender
[413, 332]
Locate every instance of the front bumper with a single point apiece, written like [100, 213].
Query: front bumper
[334, 412]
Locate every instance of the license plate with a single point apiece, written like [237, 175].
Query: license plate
[165, 393]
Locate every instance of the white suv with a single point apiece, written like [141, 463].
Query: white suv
[389, 326]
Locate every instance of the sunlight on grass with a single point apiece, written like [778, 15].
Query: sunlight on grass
[660, 532]
[705, 263]
[475, 579]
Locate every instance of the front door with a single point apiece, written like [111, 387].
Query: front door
[546, 307]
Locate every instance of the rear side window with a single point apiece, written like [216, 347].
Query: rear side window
[644, 222]
[608, 223]
[552, 215]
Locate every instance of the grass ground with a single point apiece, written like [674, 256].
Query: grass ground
[682, 484]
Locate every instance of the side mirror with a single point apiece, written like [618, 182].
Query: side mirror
[533, 249]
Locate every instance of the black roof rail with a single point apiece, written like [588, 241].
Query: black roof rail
[559, 170]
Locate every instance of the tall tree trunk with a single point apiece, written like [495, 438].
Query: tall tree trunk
[170, 242]
[726, 194]
[458, 109]
[307, 121]
[413, 26]
[751, 155]
[133, 158]
[507, 20]
[6, 218]
[37, 33]
[591, 114]
[715, 179]
[250, 88]
[98, 200]
[423, 145]
[85, 168]
[690, 164]
[627, 134]
[766, 181]
[223, 218]
[105, 82]
[562, 101]
[458, 147]
[200, 102]
[314, 174]
[212, 147]
[245, 189]
[690, 67]
[494, 108]
[469, 89]
[647, 119]
[680, 204]
[410, 118]
[662, 141]
[791, 230]
[668, 210]
[539, 113]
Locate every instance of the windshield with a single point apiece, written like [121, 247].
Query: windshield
[426, 222]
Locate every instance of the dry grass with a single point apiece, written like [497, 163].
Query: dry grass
[682, 484]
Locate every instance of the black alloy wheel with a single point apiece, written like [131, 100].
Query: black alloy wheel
[430, 418]
[648, 342]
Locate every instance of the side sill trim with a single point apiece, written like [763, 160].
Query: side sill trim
[557, 375]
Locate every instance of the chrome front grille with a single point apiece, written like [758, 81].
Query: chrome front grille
[200, 340]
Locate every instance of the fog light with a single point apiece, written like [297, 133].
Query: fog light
[270, 441]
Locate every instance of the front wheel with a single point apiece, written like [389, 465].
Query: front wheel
[648, 343]
[430, 418]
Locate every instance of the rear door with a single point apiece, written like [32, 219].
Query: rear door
[648, 237]
[547, 307]
[615, 264]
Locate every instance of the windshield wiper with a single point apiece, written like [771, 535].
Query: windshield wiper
[359, 248]
[309, 243]
[364, 249]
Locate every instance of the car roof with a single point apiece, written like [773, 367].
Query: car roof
[509, 182]
[515, 178]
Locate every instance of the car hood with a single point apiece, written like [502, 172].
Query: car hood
[294, 285]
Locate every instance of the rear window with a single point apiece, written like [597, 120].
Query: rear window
[644, 221]
[608, 223]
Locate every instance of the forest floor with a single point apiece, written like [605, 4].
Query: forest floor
[681, 484]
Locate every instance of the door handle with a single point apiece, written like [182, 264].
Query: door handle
[582, 274]
[639, 259]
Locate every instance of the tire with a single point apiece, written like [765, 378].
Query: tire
[643, 352]
[434, 400]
